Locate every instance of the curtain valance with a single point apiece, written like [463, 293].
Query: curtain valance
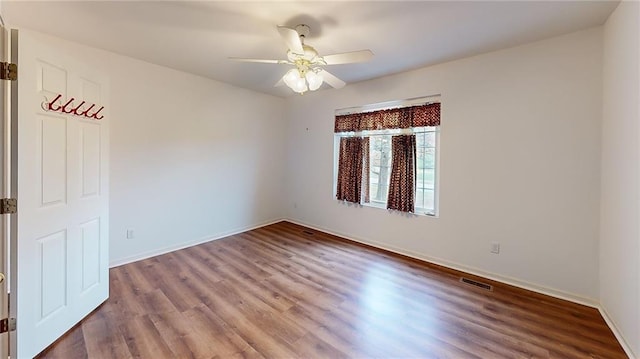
[413, 116]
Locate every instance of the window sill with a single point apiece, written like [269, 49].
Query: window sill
[418, 212]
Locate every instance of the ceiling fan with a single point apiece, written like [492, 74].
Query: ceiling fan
[308, 72]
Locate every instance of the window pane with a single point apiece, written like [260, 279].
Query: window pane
[381, 194]
[429, 200]
[419, 198]
[375, 158]
[380, 167]
[430, 139]
[374, 178]
[425, 171]
[373, 189]
[426, 178]
[429, 158]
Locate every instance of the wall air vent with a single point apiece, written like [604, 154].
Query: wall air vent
[484, 286]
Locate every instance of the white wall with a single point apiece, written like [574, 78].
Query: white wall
[191, 158]
[620, 201]
[520, 150]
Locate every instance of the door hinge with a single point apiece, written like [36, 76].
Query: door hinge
[8, 71]
[8, 206]
[7, 325]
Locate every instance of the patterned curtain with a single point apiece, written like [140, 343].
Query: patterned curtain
[350, 166]
[402, 180]
[413, 116]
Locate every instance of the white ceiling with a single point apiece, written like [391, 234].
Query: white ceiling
[198, 37]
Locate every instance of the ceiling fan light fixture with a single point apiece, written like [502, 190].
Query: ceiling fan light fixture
[302, 83]
[314, 80]
[300, 86]
[295, 81]
[291, 77]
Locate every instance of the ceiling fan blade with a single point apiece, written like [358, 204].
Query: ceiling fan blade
[292, 39]
[331, 79]
[264, 61]
[280, 82]
[348, 57]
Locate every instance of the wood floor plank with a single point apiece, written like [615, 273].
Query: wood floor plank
[102, 337]
[176, 331]
[286, 291]
[143, 338]
[72, 346]
[215, 332]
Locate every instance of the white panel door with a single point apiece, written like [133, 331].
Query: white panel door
[4, 193]
[62, 242]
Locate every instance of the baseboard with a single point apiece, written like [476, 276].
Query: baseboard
[168, 249]
[445, 263]
[614, 328]
[463, 268]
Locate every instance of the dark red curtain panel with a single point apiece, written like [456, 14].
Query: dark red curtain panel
[350, 165]
[406, 117]
[402, 181]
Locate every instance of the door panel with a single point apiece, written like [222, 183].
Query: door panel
[90, 237]
[52, 159]
[52, 295]
[52, 80]
[62, 191]
[90, 147]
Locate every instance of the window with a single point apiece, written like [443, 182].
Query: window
[425, 170]
[426, 143]
[380, 167]
[376, 164]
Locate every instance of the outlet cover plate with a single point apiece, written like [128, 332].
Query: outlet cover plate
[495, 247]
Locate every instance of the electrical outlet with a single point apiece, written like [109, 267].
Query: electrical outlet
[495, 247]
[129, 233]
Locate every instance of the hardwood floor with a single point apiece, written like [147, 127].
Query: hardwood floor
[285, 291]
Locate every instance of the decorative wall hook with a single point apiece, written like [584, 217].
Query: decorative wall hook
[71, 109]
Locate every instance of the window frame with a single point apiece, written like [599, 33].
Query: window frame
[419, 211]
[380, 204]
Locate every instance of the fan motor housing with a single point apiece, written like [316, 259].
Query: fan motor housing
[310, 54]
[303, 30]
